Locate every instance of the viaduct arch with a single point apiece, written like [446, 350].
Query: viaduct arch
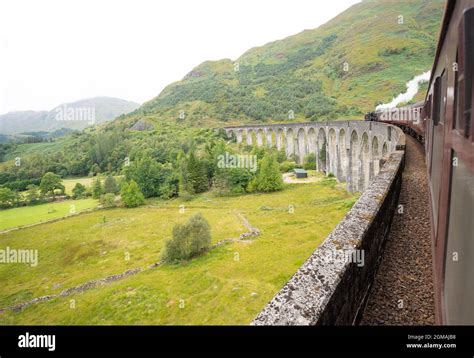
[353, 151]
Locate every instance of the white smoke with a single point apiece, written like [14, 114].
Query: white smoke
[413, 87]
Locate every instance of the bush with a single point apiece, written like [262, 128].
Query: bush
[21, 185]
[7, 197]
[79, 191]
[232, 181]
[310, 162]
[287, 166]
[97, 189]
[108, 200]
[32, 194]
[110, 185]
[189, 239]
[269, 177]
[131, 195]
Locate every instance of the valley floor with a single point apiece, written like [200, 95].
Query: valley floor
[228, 285]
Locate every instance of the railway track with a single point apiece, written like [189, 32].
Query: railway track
[403, 293]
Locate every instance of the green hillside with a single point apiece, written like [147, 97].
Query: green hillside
[303, 74]
[344, 68]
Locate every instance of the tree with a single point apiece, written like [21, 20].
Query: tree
[131, 195]
[49, 183]
[7, 197]
[153, 178]
[108, 200]
[79, 191]
[197, 179]
[95, 170]
[232, 180]
[269, 177]
[32, 194]
[189, 239]
[97, 189]
[110, 185]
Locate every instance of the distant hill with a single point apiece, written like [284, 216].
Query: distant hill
[76, 115]
[359, 59]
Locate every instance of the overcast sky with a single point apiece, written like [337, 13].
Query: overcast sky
[61, 51]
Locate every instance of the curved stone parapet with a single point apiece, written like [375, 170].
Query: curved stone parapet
[353, 151]
[332, 286]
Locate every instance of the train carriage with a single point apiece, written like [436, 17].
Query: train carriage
[446, 129]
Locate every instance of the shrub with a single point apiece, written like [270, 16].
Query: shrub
[97, 189]
[21, 185]
[310, 162]
[287, 166]
[7, 197]
[108, 200]
[131, 195]
[79, 191]
[110, 185]
[189, 239]
[269, 177]
[32, 194]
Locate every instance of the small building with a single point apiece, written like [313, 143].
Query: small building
[300, 173]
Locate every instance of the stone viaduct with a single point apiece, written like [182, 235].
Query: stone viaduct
[353, 151]
[328, 290]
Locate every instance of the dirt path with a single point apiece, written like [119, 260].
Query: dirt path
[402, 293]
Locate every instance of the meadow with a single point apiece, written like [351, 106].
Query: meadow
[27, 215]
[227, 285]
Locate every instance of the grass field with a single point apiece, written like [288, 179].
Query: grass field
[228, 285]
[39, 213]
[69, 183]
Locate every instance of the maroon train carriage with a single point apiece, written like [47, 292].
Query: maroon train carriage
[447, 130]
[450, 163]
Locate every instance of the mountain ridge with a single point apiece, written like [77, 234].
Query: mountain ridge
[104, 109]
[383, 42]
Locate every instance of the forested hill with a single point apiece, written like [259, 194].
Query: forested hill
[344, 68]
[362, 57]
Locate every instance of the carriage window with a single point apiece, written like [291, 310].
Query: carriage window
[437, 100]
[456, 117]
[443, 96]
[468, 21]
[430, 103]
[466, 68]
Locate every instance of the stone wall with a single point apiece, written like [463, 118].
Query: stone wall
[330, 289]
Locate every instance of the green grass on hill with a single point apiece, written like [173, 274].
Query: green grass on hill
[228, 285]
[70, 183]
[23, 150]
[28, 215]
[362, 57]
